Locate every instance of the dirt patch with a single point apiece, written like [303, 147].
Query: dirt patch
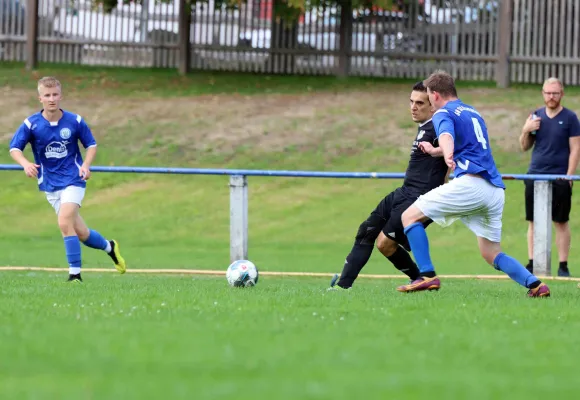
[224, 123]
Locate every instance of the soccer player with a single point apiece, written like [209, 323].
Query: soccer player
[426, 170]
[554, 133]
[476, 195]
[58, 165]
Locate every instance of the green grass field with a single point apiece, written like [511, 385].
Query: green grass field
[147, 336]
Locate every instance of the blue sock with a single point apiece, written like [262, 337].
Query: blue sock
[420, 246]
[96, 240]
[514, 269]
[72, 247]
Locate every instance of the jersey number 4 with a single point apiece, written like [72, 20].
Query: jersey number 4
[479, 133]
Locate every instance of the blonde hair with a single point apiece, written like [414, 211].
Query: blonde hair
[551, 80]
[48, 82]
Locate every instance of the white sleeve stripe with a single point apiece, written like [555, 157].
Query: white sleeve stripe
[79, 118]
[15, 149]
[27, 123]
[440, 111]
[446, 133]
[92, 145]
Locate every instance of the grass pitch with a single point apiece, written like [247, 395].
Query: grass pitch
[154, 336]
[147, 337]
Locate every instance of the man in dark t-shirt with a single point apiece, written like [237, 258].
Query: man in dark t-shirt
[554, 133]
[426, 170]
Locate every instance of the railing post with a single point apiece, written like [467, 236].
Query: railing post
[238, 218]
[542, 227]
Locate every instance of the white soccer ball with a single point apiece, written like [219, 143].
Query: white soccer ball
[242, 273]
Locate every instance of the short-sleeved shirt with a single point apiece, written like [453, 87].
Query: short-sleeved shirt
[55, 146]
[472, 149]
[424, 171]
[552, 142]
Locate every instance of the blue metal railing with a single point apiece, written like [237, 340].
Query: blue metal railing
[284, 173]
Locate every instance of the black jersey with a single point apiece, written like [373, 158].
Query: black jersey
[424, 172]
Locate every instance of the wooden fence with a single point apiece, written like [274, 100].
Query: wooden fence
[506, 41]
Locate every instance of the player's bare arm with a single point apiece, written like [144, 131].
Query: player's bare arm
[447, 146]
[526, 137]
[428, 148]
[30, 169]
[85, 171]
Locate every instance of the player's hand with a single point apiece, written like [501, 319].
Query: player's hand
[85, 172]
[531, 124]
[426, 147]
[31, 170]
[449, 161]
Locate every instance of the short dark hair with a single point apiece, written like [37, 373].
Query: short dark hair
[442, 83]
[419, 87]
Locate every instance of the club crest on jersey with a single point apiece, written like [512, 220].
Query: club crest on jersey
[56, 150]
[65, 133]
[420, 135]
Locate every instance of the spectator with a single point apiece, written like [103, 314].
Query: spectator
[554, 133]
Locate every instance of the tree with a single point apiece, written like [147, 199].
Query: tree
[289, 10]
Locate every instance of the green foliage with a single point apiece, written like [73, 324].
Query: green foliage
[290, 10]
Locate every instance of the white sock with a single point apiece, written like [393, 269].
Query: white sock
[108, 248]
[74, 270]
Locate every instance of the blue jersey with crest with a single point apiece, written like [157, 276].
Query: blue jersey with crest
[472, 150]
[55, 146]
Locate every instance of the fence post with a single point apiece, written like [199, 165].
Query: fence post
[238, 218]
[31, 34]
[542, 227]
[184, 34]
[345, 38]
[504, 38]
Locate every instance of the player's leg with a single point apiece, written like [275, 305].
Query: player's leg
[413, 220]
[95, 240]
[66, 216]
[492, 253]
[397, 255]
[364, 243]
[561, 206]
[529, 200]
[392, 241]
[487, 226]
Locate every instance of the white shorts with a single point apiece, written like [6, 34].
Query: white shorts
[475, 201]
[70, 194]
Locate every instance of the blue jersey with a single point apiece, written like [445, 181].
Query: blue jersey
[55, 146]
[472, 150]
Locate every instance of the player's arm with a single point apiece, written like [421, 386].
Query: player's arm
[445, 130]
[526, 138]
[89, 142]
[17, 146]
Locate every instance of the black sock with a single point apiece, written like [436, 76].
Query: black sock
[402, 260]
[355, 261]
[564, 265]
[530, 266]
[429, 274]
[535, 284]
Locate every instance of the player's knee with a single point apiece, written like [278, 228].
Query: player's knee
[386, 246]
[367, 234]
[410, 216]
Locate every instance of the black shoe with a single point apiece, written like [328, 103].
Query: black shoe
[75, 278]
[530, 268]
[564, 272]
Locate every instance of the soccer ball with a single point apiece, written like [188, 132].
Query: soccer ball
[242, 273]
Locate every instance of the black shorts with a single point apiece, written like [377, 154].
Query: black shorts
[561, 200]
[390, 210]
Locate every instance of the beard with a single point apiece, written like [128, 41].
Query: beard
[552, 104]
